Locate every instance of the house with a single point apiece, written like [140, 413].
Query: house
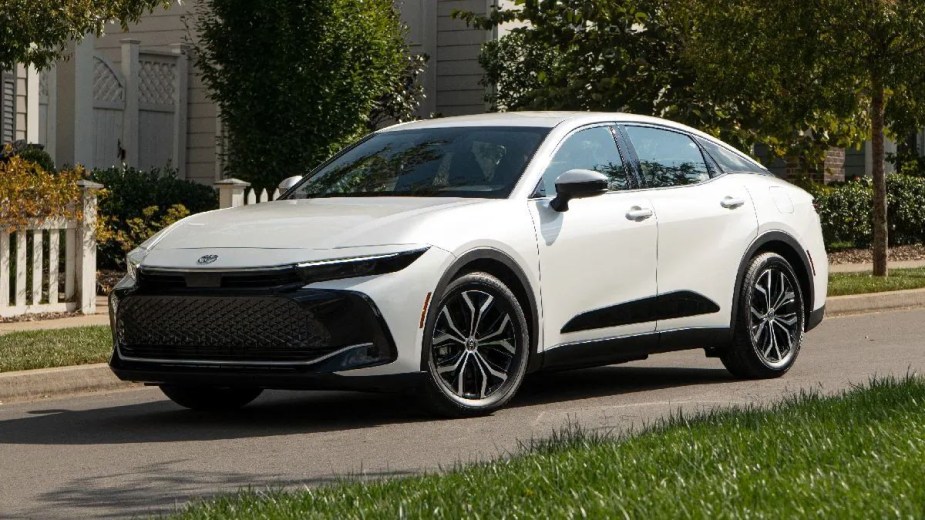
[136, 97]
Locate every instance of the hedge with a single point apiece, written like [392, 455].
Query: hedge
[138, 203]
[845, 211]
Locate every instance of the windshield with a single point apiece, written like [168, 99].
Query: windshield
[482, 162]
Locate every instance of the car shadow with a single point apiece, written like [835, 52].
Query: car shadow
[157, 489]
[286, 413]
[574, 385]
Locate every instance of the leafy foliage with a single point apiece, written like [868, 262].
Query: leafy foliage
[846, 61]
[27, 191]
[35, 31]
[296, 80]
[30, 152]
[845, 210]
[137, 203]
[645, 57]
[401, 101]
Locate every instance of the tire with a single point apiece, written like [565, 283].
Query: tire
[770, 320]
[476, 371]
[211, 399]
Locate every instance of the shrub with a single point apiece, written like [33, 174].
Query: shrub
[127, 235]
[845, 210]
[155, 196]
[29, 152]
[28, 191]
[906, 209]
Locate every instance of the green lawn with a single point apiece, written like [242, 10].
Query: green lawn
[54, 348]
[841, 284]
[860, 454]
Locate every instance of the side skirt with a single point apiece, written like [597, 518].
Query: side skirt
[623, 349]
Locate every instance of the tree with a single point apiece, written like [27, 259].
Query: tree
[635, 56]
[34, 32]
[859, 59]
[297, 79]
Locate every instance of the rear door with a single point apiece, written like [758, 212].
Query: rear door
[706, 222]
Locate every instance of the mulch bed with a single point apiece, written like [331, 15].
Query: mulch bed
[863, 256]
[40, 316]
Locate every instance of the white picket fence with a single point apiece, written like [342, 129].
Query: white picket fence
[235, 192]
[57, 275]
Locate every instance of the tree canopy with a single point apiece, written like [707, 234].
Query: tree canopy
[297, 79]
[799, 77]
[34, 32]
[858, 63]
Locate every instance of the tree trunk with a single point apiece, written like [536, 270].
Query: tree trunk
[880, 225]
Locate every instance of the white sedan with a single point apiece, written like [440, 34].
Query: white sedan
[451, 257]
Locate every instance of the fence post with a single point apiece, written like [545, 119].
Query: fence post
[231, 192]
[130, 112]
[179, 114]
[86, 238]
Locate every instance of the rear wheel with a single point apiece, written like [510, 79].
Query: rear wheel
[476, 347]
[770, 321]
[210, 398]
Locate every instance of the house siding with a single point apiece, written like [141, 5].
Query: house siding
[458, 90]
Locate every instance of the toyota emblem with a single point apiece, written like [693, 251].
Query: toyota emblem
[206, 259]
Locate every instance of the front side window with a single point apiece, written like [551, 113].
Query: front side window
[667, 158]
[483, 162]
[729, 161]
[589, 149]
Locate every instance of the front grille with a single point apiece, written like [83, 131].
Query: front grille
[244, 328]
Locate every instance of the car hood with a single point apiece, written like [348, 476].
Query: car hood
[304, 224]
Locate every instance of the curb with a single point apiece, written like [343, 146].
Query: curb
[46, 382]
[874, 302]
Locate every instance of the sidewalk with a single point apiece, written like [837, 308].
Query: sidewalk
[859, 268]
[100, 318]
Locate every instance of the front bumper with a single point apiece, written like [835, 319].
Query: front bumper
[285, 338]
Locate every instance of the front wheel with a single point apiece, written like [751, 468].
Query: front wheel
[770, 321]
[476, 347]
[210, 398]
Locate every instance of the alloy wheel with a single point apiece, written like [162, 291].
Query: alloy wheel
[774, 317]
[474, 345]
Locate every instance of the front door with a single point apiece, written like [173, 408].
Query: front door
[598, 259]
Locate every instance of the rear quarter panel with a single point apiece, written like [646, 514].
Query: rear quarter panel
[781, 206]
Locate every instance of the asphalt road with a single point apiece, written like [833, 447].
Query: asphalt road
[132, 452]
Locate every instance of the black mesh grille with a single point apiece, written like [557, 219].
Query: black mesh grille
[249, 328]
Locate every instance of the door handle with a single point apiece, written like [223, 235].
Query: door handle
[637, 213]
[731, 202]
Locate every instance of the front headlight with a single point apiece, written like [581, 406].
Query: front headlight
[353, 267]
[133, 260]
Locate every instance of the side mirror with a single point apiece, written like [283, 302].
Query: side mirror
[578, 184]
[288, 183]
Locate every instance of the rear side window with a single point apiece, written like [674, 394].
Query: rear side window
[729, 161]
[667, 158]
